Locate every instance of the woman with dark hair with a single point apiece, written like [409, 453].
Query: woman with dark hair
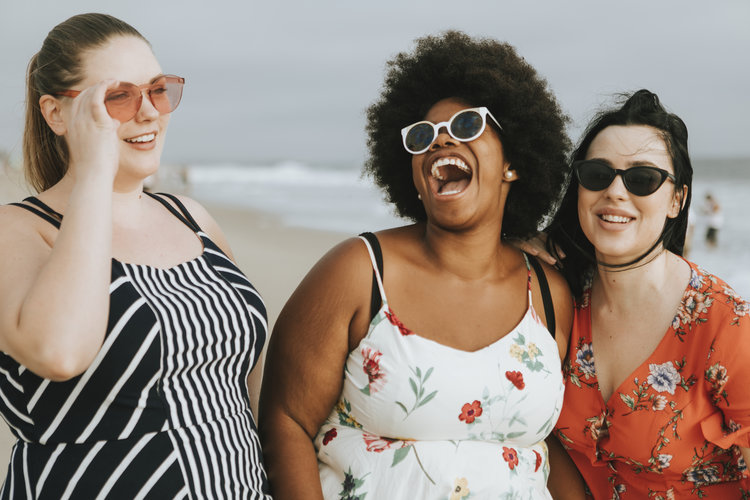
[657, 400]
[420, 362]
[127, 332]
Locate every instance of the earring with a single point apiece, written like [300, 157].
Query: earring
[508, 174]
[419, 196]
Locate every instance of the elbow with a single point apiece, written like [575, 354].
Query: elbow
[55, 361]
[62, 369]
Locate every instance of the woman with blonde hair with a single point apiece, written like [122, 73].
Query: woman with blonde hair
[127, 332]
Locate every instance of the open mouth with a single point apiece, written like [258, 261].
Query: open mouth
[449, 176]
[142, 138]
[616, 219]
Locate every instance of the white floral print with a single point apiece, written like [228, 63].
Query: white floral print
[663, 377]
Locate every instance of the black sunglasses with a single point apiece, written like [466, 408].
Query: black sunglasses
[596, 175]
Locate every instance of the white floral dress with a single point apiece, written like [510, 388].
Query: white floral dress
[417, 419]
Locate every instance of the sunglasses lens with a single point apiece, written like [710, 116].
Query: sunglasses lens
[122, 103]
[642, 181]
[166, 93]
[594, 176]
[466, 125]
[419, 137]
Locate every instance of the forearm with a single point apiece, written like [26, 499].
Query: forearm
[62, 318]
[565, 482]
[291, 461]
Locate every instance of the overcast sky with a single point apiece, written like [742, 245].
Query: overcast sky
[290, 80]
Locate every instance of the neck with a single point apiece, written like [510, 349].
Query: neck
[627, 288]
[470, 254]
[126, 197]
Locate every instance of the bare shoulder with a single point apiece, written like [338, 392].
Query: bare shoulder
[197, 211]
[345, 263]
[20, 225]
[207, 223]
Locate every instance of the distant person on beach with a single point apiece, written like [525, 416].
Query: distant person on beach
[657, 395]
[711, 210]
[424, 361]
[127, 332]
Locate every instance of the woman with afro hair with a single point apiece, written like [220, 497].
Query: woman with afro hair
[421, 362]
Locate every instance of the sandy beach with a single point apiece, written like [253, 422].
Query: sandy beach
[274, 257]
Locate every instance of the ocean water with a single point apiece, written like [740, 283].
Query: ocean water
[340, 199]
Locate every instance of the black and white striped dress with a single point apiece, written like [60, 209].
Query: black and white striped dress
[163, 411]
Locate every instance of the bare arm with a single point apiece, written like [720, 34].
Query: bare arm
[54, 297]
[565, 482]
[304, 372]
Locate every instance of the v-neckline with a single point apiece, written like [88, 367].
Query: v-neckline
[659, 347]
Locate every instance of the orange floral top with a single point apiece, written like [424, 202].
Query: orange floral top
[673, 427]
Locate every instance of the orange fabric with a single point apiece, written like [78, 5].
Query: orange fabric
[673, 427]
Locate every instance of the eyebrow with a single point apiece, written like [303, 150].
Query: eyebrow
[634, 163]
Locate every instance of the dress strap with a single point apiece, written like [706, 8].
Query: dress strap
[185, 216]
[549, 309]
[376, 257]
[45, 213]
[39, 203]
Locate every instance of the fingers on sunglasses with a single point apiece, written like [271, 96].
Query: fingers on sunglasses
[124, 101]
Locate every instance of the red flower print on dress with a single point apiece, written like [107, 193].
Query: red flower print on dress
[378, 444]
[511, 457]
[538, 461]
[328, 437]
[371, 366]
[397, 323]
[516, 378]
[470, 411]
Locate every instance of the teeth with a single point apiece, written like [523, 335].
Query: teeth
[435, 169]
[614, 218]
[142, 138]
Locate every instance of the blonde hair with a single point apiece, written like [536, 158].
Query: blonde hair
[57, 67]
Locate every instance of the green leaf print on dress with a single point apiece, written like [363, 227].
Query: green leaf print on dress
[527, 354]
[350, 486]
[418, 388]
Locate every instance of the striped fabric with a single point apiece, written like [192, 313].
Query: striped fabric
[163, 411]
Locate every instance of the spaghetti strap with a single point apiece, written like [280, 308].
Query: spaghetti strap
[184, 217]
[38, 212]
[183, 209]
[375, 268]
[549, 309]
[36, 201]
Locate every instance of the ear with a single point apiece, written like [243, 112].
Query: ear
[678, 201]
[51, 109]
[509, 175]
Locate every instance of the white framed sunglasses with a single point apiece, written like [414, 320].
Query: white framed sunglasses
[464, 126]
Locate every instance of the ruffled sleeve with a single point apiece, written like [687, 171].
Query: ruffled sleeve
[727, 372]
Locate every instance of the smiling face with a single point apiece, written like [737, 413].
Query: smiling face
[620, 225]
[130, 59]
[461, 183]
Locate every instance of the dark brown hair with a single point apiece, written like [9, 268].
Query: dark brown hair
[638, 108]
[57, 67]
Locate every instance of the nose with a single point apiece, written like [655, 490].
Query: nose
[146, 111]
[443, 139]
[617, 189]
